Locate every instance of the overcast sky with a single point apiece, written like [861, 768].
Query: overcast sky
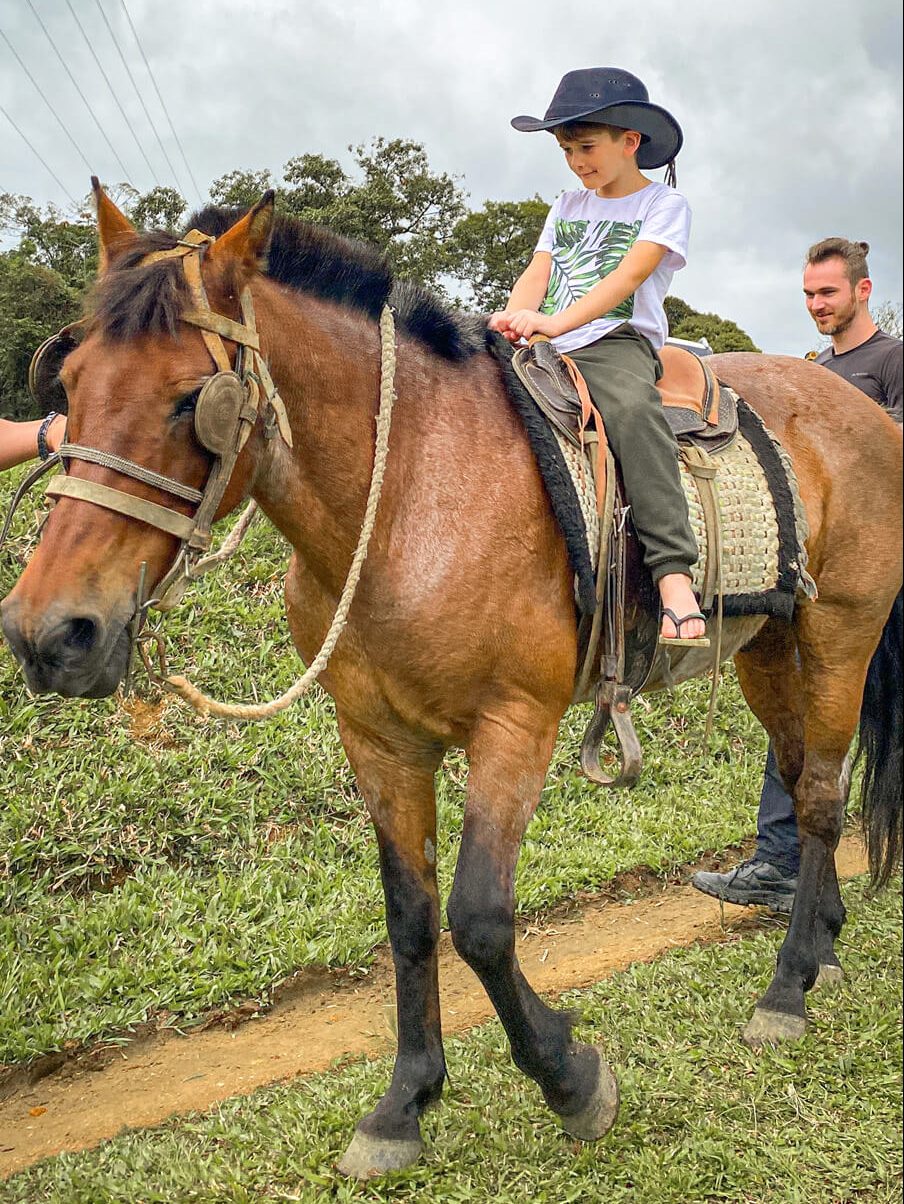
[791, 111]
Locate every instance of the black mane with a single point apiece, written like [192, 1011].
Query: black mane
[131, 299]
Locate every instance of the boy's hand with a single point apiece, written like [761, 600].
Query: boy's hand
[499, 322]
[522, 323]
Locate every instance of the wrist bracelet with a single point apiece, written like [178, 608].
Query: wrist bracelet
[43, 449]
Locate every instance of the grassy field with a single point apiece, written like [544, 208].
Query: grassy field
[702, 1117]
[152, 862]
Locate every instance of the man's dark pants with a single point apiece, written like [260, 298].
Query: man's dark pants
[777, 840]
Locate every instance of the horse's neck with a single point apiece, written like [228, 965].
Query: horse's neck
[325, 362]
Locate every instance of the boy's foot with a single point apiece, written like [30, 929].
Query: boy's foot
[681, 618]
[751, 883]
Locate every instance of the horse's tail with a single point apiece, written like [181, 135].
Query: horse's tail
[880, 743]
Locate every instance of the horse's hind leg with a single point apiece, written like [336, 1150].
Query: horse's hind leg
[508, 758]
[835, 648]
[397, 784]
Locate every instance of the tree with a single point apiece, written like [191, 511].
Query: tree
[240, 188]
[888, 318]
[160, 209]
[318, 187]
[66, 245]
[721, 333]
[490, 247]
[35, 302]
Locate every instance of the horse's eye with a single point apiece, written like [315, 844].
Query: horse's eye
[186, 405]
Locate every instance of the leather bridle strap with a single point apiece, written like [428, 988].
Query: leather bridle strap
[93, 455]
[161, 517]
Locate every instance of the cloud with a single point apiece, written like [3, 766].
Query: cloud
[791, 112]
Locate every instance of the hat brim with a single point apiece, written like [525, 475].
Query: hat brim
[661, 133]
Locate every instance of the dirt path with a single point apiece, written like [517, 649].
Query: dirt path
[329, 1016]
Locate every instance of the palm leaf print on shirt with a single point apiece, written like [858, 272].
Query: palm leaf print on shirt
[581, 256]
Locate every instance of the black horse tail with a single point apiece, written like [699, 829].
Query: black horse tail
[881, 743]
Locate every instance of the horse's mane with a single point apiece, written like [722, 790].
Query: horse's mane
[132, 299]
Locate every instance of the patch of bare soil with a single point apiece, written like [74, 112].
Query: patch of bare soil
[327, 1016]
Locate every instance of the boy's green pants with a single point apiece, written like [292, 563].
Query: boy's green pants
[621, 370]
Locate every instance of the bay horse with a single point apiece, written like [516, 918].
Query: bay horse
[463, 629]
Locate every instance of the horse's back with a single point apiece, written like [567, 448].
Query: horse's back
[847, 456]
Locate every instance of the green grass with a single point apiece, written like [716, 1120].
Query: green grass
[702, 1118]
[151, 860]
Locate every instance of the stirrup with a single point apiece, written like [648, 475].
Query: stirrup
[701, 641]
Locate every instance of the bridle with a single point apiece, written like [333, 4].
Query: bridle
[226, 412]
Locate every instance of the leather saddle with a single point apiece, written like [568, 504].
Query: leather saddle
[697, 407]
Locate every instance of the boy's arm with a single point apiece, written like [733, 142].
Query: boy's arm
[528, 292]
[530, 287]
[639, 263]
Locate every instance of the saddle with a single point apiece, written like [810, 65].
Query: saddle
[696, 406]
[703, 416]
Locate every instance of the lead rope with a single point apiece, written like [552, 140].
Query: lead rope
[209, 706]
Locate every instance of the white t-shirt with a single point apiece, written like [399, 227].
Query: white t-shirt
[588, 236]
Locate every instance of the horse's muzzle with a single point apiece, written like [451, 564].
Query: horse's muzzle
[78, 656]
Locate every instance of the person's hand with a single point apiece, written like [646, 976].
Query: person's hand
[55, 432]
[522, 323]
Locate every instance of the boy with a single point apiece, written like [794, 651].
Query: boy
[596, 285]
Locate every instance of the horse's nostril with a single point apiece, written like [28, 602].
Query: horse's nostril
[80, 635]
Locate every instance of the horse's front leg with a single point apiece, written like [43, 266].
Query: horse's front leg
[398, 787]
[508, 759]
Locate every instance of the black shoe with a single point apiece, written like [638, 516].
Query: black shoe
[751, 882]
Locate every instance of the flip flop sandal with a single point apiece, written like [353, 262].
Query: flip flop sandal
[700, 641]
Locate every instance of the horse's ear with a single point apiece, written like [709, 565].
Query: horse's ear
[247, 241]
[114, 230]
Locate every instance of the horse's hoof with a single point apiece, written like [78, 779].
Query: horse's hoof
[369, 1157]
[830, 975]
[771, 1028]
[598, 1115]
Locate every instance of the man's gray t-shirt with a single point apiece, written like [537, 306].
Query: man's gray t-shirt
[875, 367]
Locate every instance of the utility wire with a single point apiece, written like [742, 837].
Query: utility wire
[122, 167]
[137, 92]
[37, 86]
[160, 98]
[39, 156]
[106, 78]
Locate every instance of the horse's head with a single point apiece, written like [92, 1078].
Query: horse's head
[133, 384]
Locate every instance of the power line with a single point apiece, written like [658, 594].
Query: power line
[39, 156]
[125, 117]
[125, 171]
[137, 92]
[160, 98]
[37, 86]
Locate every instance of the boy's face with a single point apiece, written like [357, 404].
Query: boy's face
[600, 158]
[832, 300]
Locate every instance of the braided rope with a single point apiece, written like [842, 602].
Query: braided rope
[209, 706]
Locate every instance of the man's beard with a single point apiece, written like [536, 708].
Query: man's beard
[839, 322]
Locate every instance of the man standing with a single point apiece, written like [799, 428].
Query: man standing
[837, 288]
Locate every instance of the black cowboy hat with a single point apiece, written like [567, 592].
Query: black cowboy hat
[610, 96]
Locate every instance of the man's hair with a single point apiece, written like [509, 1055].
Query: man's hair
[573, 130]
[853, 253]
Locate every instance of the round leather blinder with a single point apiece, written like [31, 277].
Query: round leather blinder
[43, 373]
[218, 413]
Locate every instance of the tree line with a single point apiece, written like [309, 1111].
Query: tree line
[418, 218]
